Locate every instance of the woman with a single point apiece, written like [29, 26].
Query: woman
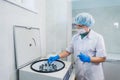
[88, 48]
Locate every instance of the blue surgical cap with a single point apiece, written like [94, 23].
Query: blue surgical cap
[84, 19]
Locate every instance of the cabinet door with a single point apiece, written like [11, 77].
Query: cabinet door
[112, 70]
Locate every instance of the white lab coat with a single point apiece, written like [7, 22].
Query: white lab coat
[92, 45]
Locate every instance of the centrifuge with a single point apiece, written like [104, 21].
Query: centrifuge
[29, 63]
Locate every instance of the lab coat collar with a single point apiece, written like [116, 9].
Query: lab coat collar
[90, 34]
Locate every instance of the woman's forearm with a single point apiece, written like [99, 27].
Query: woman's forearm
[64, 54]
[97, 59]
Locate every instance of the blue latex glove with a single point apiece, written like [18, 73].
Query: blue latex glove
[84, 57]
[53, 58]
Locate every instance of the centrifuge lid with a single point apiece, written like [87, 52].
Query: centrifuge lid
[26, 45]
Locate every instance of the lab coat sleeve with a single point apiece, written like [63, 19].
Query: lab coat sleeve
[70, 48]
[100, 47]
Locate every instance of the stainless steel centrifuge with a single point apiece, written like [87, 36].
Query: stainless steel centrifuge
[29, 64]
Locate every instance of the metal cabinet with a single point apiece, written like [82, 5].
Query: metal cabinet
[112, 70]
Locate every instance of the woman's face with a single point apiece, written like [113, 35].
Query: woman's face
[82, 27]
